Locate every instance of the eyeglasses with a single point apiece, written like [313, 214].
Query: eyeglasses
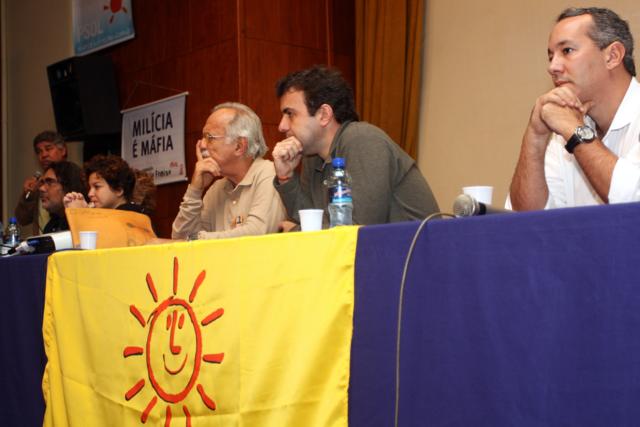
[48, 181]
[211, 138]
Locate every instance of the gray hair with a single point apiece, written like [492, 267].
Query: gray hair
[607, 28]
[48, 136]
[245, 124]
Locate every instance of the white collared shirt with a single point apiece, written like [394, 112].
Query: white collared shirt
[568, 186]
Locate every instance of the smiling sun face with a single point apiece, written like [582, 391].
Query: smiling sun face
[173, 349]
[166, 356]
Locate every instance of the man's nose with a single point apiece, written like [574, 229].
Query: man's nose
[555, 65]
[284, 125]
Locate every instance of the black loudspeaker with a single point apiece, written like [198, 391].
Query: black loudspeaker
[85, 97]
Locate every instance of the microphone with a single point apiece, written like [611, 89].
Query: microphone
[465, 205]
[22, 248]
[36, 175]
[44, 243]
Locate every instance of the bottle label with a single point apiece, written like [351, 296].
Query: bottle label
[340, 194]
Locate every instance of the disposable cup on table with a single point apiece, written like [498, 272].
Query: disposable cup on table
[311, 219]
[482, 193]
[88, 239]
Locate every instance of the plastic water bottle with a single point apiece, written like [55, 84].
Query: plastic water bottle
[340, 201]
[12, 237]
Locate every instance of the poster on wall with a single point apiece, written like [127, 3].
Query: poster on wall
[100, 23]
[153, 138]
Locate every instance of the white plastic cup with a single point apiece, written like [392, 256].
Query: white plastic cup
[482, 193]
[88, 239]
[311, 219]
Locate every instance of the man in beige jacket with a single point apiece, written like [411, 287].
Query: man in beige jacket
[243, 202]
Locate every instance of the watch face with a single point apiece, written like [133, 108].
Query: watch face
[585, 133]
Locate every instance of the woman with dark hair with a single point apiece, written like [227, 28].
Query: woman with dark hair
[111, 186]
[59, 179]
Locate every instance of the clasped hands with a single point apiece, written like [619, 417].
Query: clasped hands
[559, 111]
[75, 200]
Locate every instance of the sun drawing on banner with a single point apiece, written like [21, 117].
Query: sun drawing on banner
[115, 6]
[172, 368]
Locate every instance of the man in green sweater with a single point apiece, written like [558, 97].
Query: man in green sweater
[320, 123]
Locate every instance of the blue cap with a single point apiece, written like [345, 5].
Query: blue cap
[338, 162]
[13, 220]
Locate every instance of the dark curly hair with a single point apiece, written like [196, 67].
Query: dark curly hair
[115, 171]
[322, 85]
[70, 176]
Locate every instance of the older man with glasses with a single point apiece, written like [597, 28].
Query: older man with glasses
[243, 202]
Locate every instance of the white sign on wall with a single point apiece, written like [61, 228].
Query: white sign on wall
[153, 138]
[100, 23]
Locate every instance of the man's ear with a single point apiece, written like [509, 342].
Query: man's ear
[325, 114]
[614, 54]
[242, 145]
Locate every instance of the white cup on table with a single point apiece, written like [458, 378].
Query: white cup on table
[88, 239]
[311, 219]
[482, 193]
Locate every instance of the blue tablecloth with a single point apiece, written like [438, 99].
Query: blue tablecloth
[528, 319]
[22, 358]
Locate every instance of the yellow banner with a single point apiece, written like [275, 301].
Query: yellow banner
[243, 332]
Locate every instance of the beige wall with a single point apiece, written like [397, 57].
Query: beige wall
[36, 33]
[485, 64]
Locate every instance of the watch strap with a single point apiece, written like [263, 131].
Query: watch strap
[572, 143]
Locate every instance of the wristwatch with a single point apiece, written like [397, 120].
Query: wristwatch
[582, 134]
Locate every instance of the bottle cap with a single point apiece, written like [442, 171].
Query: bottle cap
[337, 162]
[13, 220]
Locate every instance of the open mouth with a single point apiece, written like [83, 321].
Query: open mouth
[176, 371]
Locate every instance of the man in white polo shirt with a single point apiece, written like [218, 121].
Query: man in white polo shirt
[581, 146]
